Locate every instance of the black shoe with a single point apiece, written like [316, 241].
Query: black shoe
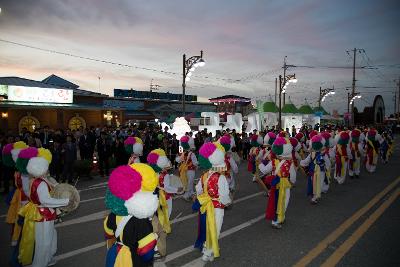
[351, 177]
[357, 177]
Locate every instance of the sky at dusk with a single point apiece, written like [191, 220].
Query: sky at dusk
[244, 44]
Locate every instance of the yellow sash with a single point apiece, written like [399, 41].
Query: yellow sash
[12, 213]
[124, 258]
[27, 244]
[183, 168]
[211, 228]
[162, 212]
[317, 181]
[282, 186]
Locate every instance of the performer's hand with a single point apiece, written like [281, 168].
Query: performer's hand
[131, 160]
[180, 190]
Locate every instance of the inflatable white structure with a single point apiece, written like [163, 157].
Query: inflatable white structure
[253, 122]
[180, 127]
[234, 122]
[213, 124]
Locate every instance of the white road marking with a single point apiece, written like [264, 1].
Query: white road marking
[170, 257]
[226, 233]
[80, 251]
[90, 199]
[195, 263]
[92, 188]
[88, 218]
[102, 214]
[99, 184]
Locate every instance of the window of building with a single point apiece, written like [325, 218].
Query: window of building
[76, 122]
[28, 122]
[205, 121]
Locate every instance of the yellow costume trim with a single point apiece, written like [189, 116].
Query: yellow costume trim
[124, 258]
[146, 240]
[12, 214]
[211, 228]
[317, 181]
[183, 168]
[282, 186]
[27, 244]
[162, 212]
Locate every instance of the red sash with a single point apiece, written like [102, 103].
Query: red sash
[47, 213]
[161, 181]
[212, 188]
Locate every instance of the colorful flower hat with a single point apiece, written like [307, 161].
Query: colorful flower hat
[355, 135]
[256, 140]
[295, 143]
[10, 153]
[158, 160]
[373, 135]
[328, 139]
[282, 147]
[317, 142]
[187, 142]
[300, 137]
[37, 161]
[212, 155]
[25, 155]
[130, 191]
[343, 138]
[283, 134]
[312, 134]
[227, 142]
[133, 145]
[269, 138]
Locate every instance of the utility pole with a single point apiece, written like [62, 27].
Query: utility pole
[398, 102]
[154, 87]
[99, 83]
[284, 77]
[320, 96]
[276, 88]
[353, 87]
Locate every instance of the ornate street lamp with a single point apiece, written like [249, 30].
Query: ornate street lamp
[189, 65]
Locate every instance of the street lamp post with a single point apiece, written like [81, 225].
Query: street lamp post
[323, 93]
[189, 65]
[351, 97]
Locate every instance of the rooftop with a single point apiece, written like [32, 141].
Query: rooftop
[230, 98]
[53, 78]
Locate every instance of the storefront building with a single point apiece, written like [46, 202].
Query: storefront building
[59, 105]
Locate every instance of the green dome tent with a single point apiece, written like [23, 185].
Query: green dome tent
[270, 106]
[306, 109]
[289, 107]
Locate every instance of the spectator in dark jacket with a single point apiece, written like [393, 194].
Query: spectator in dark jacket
[104, 148]
[69, 156]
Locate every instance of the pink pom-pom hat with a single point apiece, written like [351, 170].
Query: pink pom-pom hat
[124, 182]
[7, 149]
[207, 149]
[28, 153]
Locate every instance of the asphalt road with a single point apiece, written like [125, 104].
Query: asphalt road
[369, 239]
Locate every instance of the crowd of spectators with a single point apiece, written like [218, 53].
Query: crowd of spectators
[105, 146]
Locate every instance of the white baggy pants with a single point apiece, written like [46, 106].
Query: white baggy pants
[45, 243]
[190, 191]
